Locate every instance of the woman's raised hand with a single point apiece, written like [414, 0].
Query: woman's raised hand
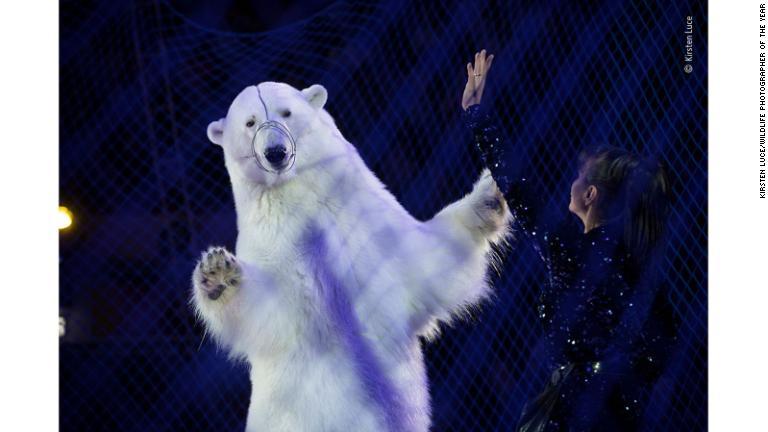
[476, 76]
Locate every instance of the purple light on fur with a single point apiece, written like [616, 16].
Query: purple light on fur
[336, 301]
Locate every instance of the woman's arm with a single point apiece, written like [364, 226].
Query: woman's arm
[489, 143]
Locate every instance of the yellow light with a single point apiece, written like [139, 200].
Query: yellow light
[62, 326]
[64, 219]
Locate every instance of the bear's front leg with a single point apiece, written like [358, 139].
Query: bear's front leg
[456, 253]
[484, 212]
[216, 284]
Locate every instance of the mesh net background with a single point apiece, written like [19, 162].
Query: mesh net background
[140, 82]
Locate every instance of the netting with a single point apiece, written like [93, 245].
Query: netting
[140, 82]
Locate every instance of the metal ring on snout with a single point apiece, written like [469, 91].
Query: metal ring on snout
[271, 126]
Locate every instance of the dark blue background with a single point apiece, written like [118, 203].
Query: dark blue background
[141, 80]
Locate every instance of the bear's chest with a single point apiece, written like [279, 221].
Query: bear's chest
[302, 298]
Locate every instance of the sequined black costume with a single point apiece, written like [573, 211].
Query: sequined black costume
[604, 351]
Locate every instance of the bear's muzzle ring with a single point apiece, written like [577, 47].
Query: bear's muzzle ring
[271, 124]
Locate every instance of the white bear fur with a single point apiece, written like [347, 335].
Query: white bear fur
[338, 279]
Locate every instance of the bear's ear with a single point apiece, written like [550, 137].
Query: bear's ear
[316, 95]
[216, 132]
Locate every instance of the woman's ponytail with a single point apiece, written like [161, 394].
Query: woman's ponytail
[646, 205]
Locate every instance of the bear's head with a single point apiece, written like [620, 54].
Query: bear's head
[272, 132]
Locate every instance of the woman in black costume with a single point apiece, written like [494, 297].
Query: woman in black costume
[606, 324]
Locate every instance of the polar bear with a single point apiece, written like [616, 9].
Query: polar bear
[332, 280]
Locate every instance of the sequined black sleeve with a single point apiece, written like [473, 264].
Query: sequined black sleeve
[488, 141]
[495, 153]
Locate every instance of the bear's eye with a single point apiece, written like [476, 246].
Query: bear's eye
[250, 123]
[285, 113]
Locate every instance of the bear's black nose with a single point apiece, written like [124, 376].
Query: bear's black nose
[276, 155]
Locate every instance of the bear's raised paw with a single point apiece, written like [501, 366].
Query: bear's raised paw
[489, 205]
[216, 272]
